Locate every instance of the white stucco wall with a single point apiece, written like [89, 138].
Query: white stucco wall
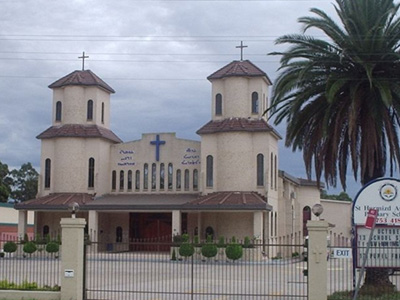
[338, 213]
[183, 154]
[236, 96]
[69, 165]
[9, 215]
[74, 105]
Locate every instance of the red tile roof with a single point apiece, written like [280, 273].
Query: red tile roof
[85, 78]
[58, 201]
[229, 201]
[239, 68]
[237, 124]
[77, 130]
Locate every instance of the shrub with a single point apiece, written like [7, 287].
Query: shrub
[52, 247]
[196, 241]
[247, 243]
[221, 242]
[209, 250]
[186, 250]
[177, 239]
[29, 247]
[10, 247]
[1, 254]
[234, 251]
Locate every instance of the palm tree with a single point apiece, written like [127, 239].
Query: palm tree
[340, 95]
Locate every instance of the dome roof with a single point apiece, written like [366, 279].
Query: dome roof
[85, 78]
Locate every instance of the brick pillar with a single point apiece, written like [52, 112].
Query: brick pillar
[72, 258]
[176, 222]
[22, 223]
[317, 260]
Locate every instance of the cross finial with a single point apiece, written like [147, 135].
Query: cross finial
[83, 60]
[241, 49]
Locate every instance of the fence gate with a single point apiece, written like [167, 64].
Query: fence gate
[157, 271]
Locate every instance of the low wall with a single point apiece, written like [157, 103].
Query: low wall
[21, 295]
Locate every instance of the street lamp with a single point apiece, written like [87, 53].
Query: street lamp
[73, 208]
[317, 209]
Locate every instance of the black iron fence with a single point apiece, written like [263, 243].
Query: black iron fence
[29, 264]
[189, 271]
[342, 278]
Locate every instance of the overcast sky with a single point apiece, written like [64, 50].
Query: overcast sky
[155, 54]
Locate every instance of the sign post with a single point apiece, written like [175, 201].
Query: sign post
[376, 204]
[369, 224]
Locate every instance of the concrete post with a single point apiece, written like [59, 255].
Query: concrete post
[72, 258]
[22, 223]
[93, 225]
[258, 221]
[176, 222]
[317, 259]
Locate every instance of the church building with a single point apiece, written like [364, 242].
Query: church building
[227, 184]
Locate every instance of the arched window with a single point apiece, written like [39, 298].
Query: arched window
[114, 180]
[137, 180]
[170, 175]
[58, 110]
[276, 172]
[145, 176]
[195, 179]
[254, 103]
[162, 176]
[118, 234]
[46, 231]
[121, 180]
[276, 223]
[129, 180]
[271, 223]
[47, 173]
[178, 179]
[90, 110]
[91, 173]
[272, 171]
[209, 232]
[102, 112]
[209, 171]
[260, 169]
[306, 217]
[218, 104]
[153, 176]
[186, 180]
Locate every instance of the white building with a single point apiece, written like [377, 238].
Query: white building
[227, 184]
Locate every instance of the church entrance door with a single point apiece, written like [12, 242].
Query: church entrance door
[149, 231]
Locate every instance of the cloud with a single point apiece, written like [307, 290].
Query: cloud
[155, 54]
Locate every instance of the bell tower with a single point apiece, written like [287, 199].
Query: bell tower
[239, 148]
[76, 148]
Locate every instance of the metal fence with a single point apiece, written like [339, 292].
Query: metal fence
[341, 280]
[115, 272]
[22, 270]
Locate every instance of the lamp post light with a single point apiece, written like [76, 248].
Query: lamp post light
[317, 210]
[73, 208]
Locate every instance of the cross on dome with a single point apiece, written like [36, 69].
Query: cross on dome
[241, 49]
[83, 60]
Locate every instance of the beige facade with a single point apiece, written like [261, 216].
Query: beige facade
[227, 184]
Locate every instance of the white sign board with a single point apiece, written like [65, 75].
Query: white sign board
[68, 273]
[385, 247]
[382, 194]
[341, 253]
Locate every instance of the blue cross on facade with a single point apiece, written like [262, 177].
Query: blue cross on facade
[158, 143]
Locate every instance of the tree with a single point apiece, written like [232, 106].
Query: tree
[25, 182]
[5, 182]
[343, 196]
[341, 95]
